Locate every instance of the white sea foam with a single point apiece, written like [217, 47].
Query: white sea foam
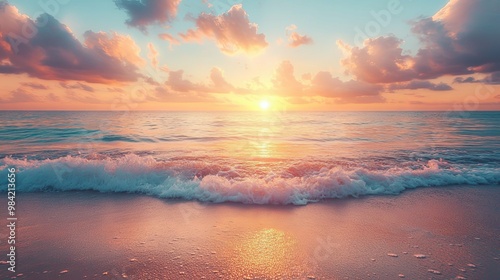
[146, 175]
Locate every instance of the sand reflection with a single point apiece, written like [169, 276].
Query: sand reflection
[268, 251]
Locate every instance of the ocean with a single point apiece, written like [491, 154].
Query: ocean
[249, 157]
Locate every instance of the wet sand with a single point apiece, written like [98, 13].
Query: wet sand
[428, 233]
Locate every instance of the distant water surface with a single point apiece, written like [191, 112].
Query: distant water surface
[250, 157]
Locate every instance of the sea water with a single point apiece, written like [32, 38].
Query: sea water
[249, 157]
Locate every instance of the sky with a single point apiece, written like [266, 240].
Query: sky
[204, 55]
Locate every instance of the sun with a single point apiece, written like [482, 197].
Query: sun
[264, 104]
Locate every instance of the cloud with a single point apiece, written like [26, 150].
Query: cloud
[419, 84]
[115, 45]
[220, 84]
[320, 88]
[153, 55]
[462, 38]
[53, 52]
[468, 80]
[232, 31]
[169, 38]
[20, 96]
[151, 81]
[295, 39]
[324, 84]
[9, 69]
[176, 82]
[163, 94]
[492, 79]
[380, 60]
[88, 98]
[284, 80]
[209, 5]
[302, 100]
[51, 97]
[217, 83]
[35, 85]
[77, 86]
[164, 68]
[115, 89]
[147, 12]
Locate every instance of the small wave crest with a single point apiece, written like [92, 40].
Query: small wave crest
[147, 175]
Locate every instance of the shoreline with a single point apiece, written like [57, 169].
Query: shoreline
[454, 231]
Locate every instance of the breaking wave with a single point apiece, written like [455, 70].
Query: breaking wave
[192, 180]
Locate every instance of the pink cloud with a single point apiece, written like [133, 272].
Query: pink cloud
[87, 97]
[115, 45]
[179, 89]
[380, 60]
[325, 85]
[219, 82]
[295, 39]
[169, 38]
[20, 95]
[176, 82]
[153, 55]
[163, 94]
[462, 38]
[284, 80]
[232, 31]
[318, 88]
[53, 52]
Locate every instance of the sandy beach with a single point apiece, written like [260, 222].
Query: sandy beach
[430, 233]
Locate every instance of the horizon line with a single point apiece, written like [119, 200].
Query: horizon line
[246, 111]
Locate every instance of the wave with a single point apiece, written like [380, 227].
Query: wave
[183, 180]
